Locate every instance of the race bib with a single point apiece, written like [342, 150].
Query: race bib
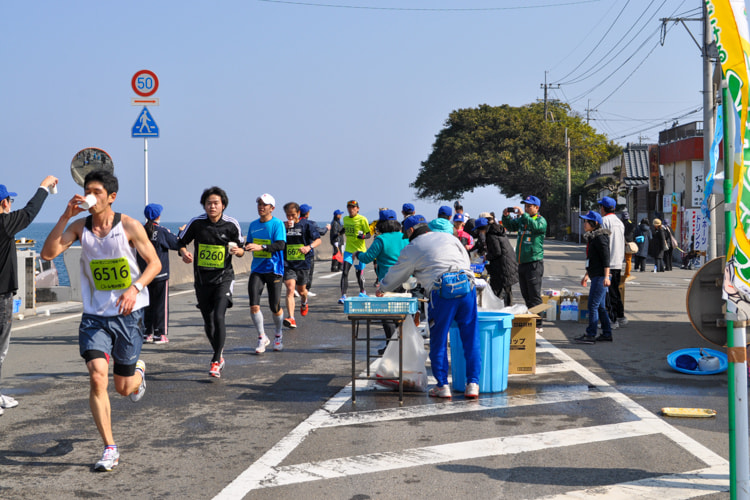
[110, 274]
[262, 254]
[211, 256]
[293, 252]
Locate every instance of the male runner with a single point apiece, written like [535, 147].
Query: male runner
[114, 295]
[357, 230]
[217, 237]
[267, 240]
[301, 238]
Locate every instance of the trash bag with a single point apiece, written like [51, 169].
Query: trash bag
[490, 301]
[415, 357]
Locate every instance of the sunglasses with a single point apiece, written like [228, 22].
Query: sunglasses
[352, 203]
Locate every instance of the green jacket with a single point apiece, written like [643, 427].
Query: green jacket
[531, 233]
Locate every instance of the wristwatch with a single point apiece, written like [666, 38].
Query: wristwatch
[264, 247]
[138, 287]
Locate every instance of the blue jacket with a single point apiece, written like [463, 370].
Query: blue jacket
[385, 248]
[441, 225]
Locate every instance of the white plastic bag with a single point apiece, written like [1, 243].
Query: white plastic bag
[490, 301]
[415, 357]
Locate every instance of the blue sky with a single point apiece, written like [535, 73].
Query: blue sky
[312, 103]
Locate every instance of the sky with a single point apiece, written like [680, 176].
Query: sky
[318, 102]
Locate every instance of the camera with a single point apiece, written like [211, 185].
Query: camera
[512, 210]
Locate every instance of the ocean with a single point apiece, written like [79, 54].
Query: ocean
[38, 232]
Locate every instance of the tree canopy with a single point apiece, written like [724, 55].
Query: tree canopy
[515, 149]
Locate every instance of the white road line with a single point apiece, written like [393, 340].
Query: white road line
[328, 276]
[691, 484]
[52, 320]
[495, 402]
[467, 450]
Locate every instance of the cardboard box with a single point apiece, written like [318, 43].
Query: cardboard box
[522, 357]
[583, 309]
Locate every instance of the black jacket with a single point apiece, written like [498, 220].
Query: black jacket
[163, 241]
[10, 224]
[597, 251]
[503, 268]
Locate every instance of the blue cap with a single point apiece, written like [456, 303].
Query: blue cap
[152, 211]
[304, 209]
[458, 218]
[445, 211]
[387, 215]
[337, 212]
[408, 208]
[532, 200]
[608, 202]
[481, 222]
[592, 216]
[4, 193]
[686, 362]
[413, 220]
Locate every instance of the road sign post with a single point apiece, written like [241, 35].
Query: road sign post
[145, 83]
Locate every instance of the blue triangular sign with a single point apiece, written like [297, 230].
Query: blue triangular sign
[145, 126]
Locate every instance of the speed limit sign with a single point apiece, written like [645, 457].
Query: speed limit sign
[145, 83]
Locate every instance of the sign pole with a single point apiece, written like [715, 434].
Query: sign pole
[145, 166]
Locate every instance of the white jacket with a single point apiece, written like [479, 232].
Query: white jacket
[616, 240]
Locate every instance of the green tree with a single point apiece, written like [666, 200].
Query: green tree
[516, 150]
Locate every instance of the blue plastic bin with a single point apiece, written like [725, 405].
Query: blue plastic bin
[494, 336]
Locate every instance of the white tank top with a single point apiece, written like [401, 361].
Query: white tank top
[109, 267]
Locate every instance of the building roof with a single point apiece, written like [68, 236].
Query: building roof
[635, 159]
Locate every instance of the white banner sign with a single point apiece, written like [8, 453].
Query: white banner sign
[698, 184]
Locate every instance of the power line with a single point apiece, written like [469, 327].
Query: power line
[459, 9]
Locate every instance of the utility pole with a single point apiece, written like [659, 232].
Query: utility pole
[588, 111]
[567, 192]
[546, 87]
[709, 99]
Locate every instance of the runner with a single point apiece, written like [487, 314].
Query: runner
[216, 237]
[267, 241]
[304, 213]
[337, 241]
[113, 294]
[301, 238]
[357, 230]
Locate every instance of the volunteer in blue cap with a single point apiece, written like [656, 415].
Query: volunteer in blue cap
[598, 272]
[531, 228]
[156, 314]
[12, 223]
[337, 241]
[385, 248]
[443, 222]
[407, 210]
[430, 257]
[616, 229]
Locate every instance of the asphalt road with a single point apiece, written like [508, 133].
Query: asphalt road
[282, 425]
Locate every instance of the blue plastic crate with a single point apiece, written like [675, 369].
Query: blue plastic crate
[380, 305]
[478, 268]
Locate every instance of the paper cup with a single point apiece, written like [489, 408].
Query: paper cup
[88, 202]
[232, 245]
[53, 189]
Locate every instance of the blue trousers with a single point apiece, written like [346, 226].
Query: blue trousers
[442, 312]
[597, 308]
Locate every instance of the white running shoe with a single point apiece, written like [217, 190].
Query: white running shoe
[140, 366]
[472, 391]
[622, 321]
[7, 402]
[110, 459]
[262, 343]
[311, 294]
[277, 344]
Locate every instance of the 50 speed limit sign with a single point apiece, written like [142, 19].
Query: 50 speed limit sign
[145, 83]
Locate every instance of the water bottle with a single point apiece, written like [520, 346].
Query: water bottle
[573, 310]
[564, 310]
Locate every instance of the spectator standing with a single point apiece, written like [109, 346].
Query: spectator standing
[467, 240]
[407, 210]
[616, 256]
[11, 223]
[336, 238]
[501, 263]
[629, 226]
[658, 246]
[531, 228]
[597, 270]
[156, 315]
[671, 245]
[642, 239]
[429, 256]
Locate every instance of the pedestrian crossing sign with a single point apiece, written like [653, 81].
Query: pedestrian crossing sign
[145, 126]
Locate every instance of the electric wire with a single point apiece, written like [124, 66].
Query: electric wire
[437, 9]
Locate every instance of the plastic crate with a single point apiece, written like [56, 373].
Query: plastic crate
[478, 268]
[380, 305]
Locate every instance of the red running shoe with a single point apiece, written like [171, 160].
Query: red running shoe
[303, 309]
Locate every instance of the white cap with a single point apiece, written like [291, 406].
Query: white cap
[266, 199]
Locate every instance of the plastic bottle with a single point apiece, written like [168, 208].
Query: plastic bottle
[564, 310]
[573, 310]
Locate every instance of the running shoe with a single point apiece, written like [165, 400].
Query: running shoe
[604, 338]
[216, 368]
[110, 459]
[290, 323]
[311, 294]
[277, 345]
[7, 402]
[161, 339]
[262, 343]
[303, 309]
[148, 339]
[363, 294]
[472, 391]
[585, 339]
[341, 300]
[622, 321]
[140, 367]
[296, 293]
[3, 411]
[440, 392]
